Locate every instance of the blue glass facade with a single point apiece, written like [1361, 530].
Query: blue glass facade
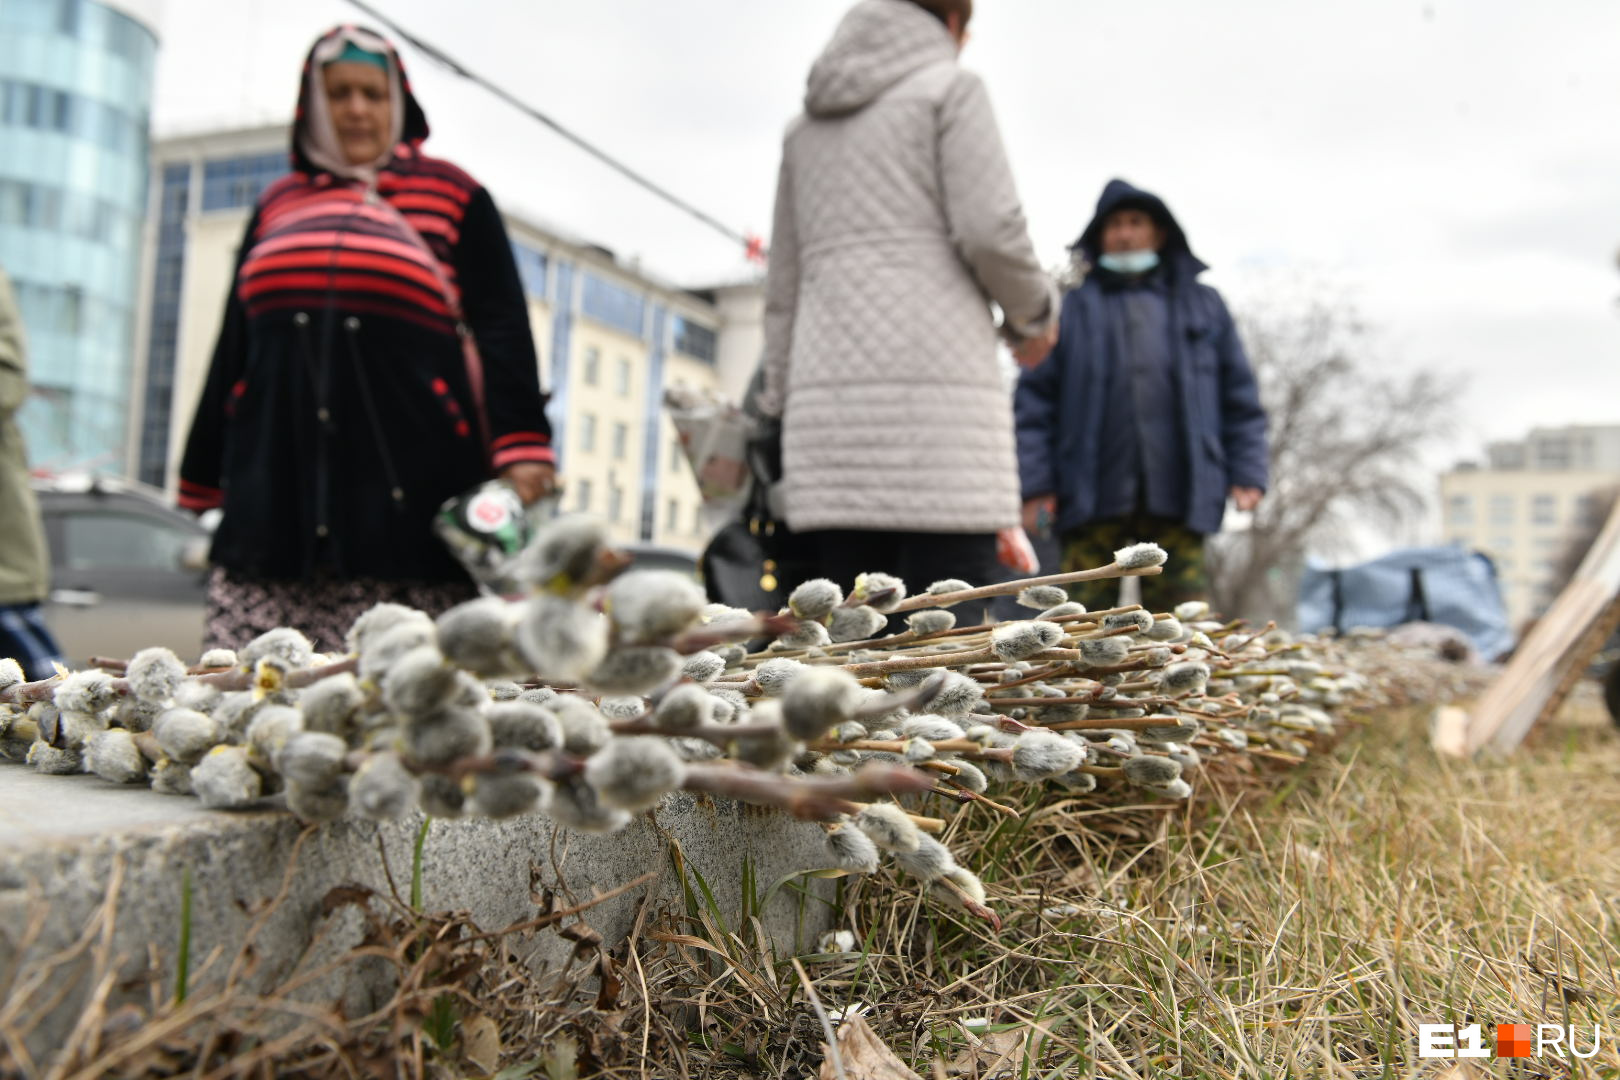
[75, 86]
[219, 184]
[163, 329]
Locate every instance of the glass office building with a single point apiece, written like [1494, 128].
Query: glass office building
[75, 87]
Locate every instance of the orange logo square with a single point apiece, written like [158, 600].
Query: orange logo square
[1512, 1040]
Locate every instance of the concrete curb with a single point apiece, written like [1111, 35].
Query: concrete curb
[61, 838]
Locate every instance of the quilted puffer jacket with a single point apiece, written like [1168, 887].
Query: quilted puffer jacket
[897, 222]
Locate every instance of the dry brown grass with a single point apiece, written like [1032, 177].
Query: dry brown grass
[1304, 927]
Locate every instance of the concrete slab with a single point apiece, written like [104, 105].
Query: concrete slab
[61, 838]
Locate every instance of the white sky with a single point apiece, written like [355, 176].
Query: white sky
[1453, 166]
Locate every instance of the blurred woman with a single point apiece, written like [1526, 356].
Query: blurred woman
[897, 223]
[341, 408]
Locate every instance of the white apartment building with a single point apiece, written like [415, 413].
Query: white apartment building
[1537, 498]
[610, 338]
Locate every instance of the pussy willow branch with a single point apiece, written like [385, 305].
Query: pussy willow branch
[1013, 588]
[818, 799]
[234, 679]
[906, 637]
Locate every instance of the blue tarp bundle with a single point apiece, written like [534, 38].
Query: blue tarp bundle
[1447, 585]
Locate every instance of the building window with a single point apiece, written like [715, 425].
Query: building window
[1460, 510]
[1544, 510]
[583, 487]
[621, 382]
[587, 432]
[694, 340]
[1501, 543]
[697, 519]
[1553, 451]
[592, 374]
[1501, 509]
[621, 441]
[46, 109]
[612, 304]
[235, 183]
[615, 502]
[672, 517]
[677, 454]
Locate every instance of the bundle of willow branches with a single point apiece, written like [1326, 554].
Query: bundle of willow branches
[607, 688]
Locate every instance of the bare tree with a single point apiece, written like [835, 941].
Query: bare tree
[1346, 441]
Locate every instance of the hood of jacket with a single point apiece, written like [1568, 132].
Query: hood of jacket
[314, 146]
[1118, 194]
[878, 43]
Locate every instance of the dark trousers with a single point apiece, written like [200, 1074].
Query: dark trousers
[25, 639]
[1093, 545]
[917, 558]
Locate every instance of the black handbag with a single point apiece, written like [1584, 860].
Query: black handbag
[742, 564]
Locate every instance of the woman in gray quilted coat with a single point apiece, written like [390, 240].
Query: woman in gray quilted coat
[897, 223]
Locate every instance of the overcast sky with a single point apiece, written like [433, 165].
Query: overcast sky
[1452, 166]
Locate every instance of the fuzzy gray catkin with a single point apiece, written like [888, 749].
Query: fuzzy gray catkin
[480, 636]
[855, 623]
[888, 827]
[880, 592]
[1014, 641]
[185, 734]
[112, 755]
[1150, 770]
[634, 669]
[852, 850]
[561, 640]
[652, 606]
[634, 773]
[155, 674]
[1041, 597]
[930, 621]
[815, 599]
[818, 700]
[703, 667]
[1140, 556]
[928, 861]
[685, 708]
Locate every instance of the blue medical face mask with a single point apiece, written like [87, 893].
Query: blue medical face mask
[1128, 262]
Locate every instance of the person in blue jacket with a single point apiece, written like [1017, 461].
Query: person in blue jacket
[1146, 415]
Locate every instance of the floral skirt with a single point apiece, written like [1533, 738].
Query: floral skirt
[240, 608]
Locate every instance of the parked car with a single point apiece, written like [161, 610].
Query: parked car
[127, 570]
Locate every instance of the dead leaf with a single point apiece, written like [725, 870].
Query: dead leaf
[864, 1056]
[481, 1042]
[989, 1053]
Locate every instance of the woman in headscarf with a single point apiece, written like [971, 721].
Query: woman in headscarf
[340, 409]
